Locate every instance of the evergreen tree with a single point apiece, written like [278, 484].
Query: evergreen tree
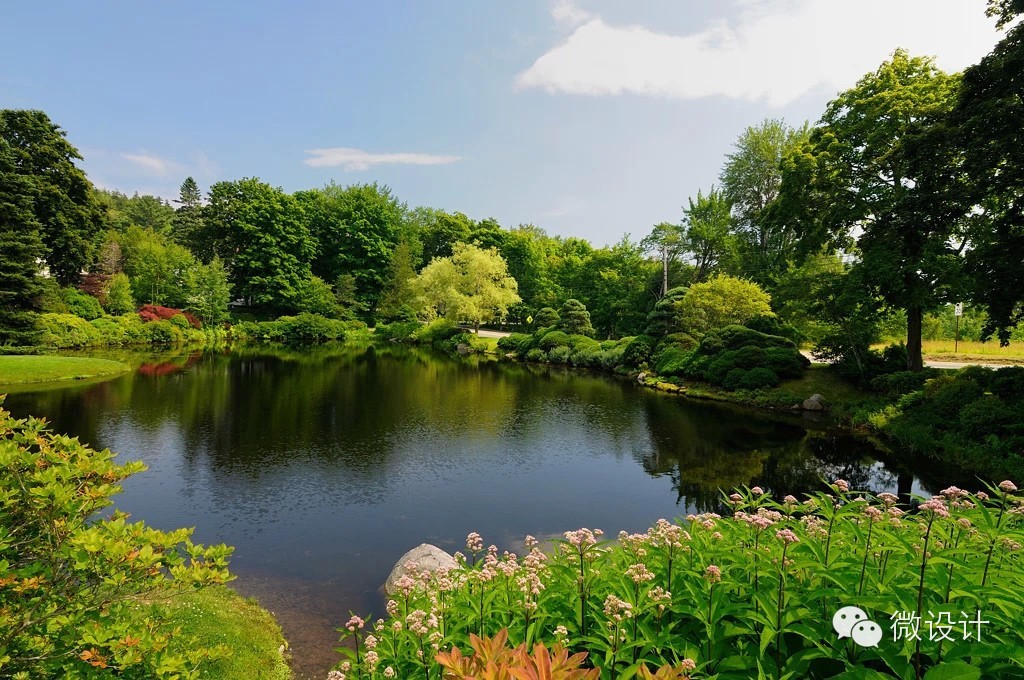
[61, 196]
[546, 318]
[188, 226]
[21, 250]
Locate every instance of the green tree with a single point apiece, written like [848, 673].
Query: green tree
[356, 228]
[664, 318]
[208, 291]
[985, 183]
[472, 285]
[546, 317]
[346, 297]
[187, 226]
[315, 296]
[21, 251]
[440, 230]
[708, 235]
[60, 192]
[666, 242]
[157, 267]
[750, 181]
[619, 296]
[73, 575]
[263, 237]
[398, 283]
[855, 181]
[526, 251]
[119, 298]
[574, 318]
[722, 301]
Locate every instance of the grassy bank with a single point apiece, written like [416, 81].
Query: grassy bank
[217, 615]
[18, 370]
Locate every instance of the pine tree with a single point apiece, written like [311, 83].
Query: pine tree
[575, 319]
[188, 226]
[21, 252]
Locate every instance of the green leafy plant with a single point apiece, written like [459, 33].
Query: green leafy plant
[74, 584]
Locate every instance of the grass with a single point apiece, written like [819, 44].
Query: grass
[218, 615]
[19, 369]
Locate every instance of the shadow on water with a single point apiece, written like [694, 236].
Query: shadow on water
[322, 467]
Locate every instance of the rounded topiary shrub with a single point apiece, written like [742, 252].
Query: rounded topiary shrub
[638, 352]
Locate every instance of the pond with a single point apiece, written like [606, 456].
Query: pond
[323, 467]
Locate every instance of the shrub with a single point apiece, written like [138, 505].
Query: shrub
[559, 355]
[510, 343]
[309, 329]
[664, 318]
[67, 331]
[724, 351]
[901, 382]
[750, 379]
[536, 354]
[546, 317]
[722, 301]
[81, 304]
[638, 352]
[769, 324]
[73, 572]
[672, 361]
[315, 296]
[163, 332]
[437, 331]
[552, 339]
[575, 319]
[398, 330]
[1008, 383]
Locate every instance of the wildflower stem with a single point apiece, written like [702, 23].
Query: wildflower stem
[920, 596]
[867, 551]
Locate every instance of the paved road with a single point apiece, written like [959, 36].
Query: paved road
[941, 364]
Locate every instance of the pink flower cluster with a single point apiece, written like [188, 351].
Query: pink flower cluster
[713, 574]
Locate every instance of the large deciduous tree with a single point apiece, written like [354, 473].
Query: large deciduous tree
[855, 182]
[722, 301]
[355, 228]
[750, 181]
[264, 240]
[708, 235]
[60, 193]
[986, 129]
[472, 285]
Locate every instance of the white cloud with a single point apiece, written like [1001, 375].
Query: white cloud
[567, 12]
[151, 165]
[776, 50]
[357, 159]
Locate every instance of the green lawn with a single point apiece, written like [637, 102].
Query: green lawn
[218, 615]
[16, 370]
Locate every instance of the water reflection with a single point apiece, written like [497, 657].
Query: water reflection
[323, 467]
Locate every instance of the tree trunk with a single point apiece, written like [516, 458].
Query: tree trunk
[914, 360]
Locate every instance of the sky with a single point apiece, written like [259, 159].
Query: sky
[589, 118]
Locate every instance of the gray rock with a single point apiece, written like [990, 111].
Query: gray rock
[463, 348]
[427, 557]
[641, 378]
[815, 402]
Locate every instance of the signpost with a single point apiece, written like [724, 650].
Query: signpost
[958, 310]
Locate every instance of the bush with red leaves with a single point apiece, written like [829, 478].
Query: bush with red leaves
[156, 313]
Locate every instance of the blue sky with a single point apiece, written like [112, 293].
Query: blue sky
[587, 118]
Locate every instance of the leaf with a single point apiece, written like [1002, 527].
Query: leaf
[956, 670]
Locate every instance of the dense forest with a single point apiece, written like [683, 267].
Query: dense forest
[905, 197]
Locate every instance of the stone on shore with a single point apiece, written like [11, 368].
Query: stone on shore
[815, 402]
[426, 557]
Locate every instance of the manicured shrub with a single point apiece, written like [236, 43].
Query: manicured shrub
[574, 318]
[552, 339]
[638, 352]
[537, 354]
[81, 304]
[163, 332]
[399, 330]
[546, 317]
[901, 382]
[723, 352]
[672, 361]
[1008, 383]
[769, 324]
[559, 355]
[436, 331]
[510, 343]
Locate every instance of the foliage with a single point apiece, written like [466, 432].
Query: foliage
[639, 350]
[264, 239]
[736, 358]
[119, 298]
[70, 576]
[156, 313]
[188, 227]
[60, 194]
[708, 235]
[208, 291]
[747, 595]
[664, 318]
[971, 418]
[302, 329]
[21, 248]
[472, 285]
[751, 180]
[315, 296]
[157, 267]
[492, 660]
[355, 230]
[573, 318]
[81, 304]
[398, 289]
[546, 317]
[864, 173]
[66, 330]
[722, 301]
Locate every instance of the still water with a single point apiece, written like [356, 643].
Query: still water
[323, 467]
